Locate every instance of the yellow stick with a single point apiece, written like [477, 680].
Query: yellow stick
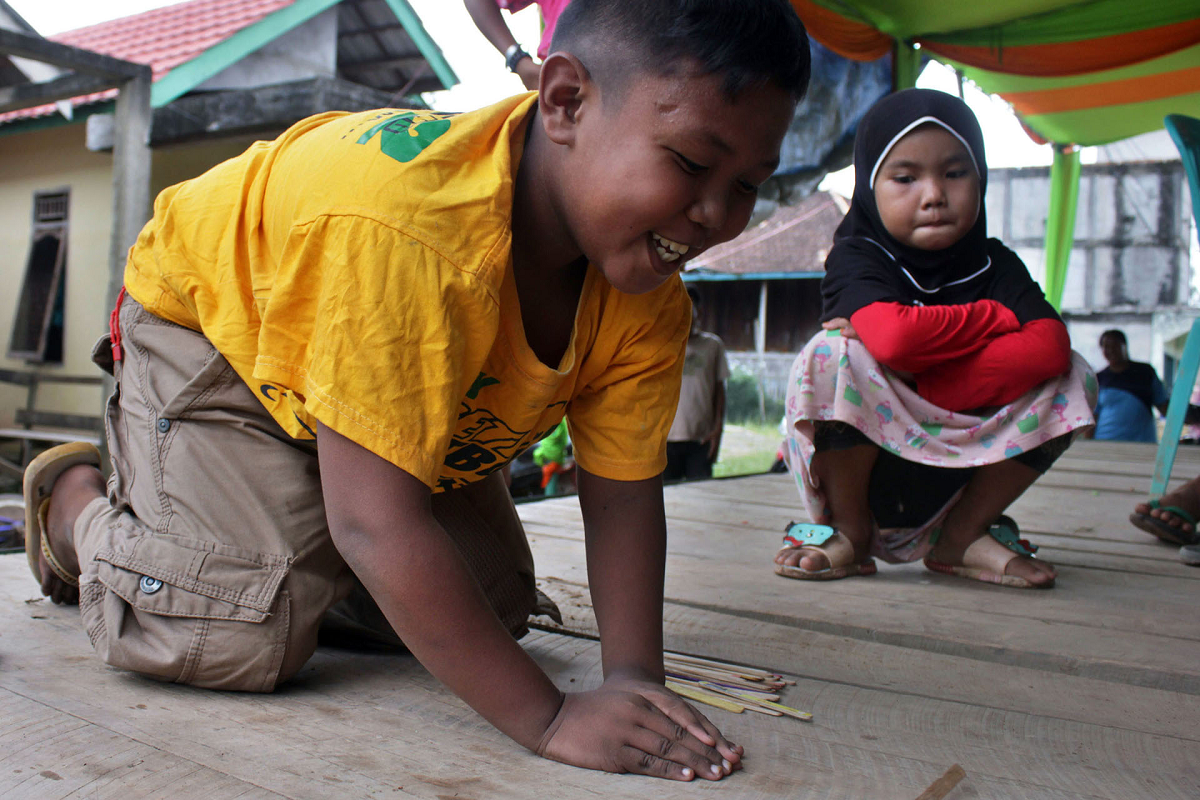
[749, 698]
[738, 694]
[942, 786]
[737, 668]
[707, 698]
[716, 675]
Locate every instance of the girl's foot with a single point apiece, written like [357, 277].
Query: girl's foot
[985, 555]
[815, 559]
[831, 554]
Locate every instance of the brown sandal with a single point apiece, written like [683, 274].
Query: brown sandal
[40, 476]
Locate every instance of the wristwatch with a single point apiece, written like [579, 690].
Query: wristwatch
[513, 56]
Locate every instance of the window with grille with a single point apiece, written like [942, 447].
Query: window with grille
[37, 334]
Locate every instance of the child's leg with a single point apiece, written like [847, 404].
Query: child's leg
[482, 521]
[209, 561]
[989, 492]
[844, 475]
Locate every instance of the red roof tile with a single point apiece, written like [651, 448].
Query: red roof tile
[164, 38]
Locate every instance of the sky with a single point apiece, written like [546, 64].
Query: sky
[484, 79]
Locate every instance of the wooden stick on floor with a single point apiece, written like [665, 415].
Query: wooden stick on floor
[942, 786]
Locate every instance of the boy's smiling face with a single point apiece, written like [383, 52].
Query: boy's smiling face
[663, 168]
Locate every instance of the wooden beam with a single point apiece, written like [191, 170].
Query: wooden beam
[74, 58]
[29, 95]
[131, 201]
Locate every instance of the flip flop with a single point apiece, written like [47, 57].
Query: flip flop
[986, 558]
[829, 541]
[40, 476]
[1163, 530]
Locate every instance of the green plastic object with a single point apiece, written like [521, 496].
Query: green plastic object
[1060, 220]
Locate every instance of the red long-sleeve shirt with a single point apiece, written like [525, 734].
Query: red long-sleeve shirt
[965, 356]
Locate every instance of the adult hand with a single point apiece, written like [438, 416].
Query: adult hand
[631, 724]
[841, 324]
[529, 71]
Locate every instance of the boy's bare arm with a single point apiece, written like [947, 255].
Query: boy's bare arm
[381, 521]
[625, 531]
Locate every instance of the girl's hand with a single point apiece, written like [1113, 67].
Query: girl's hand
[635, 725]
[841, 324]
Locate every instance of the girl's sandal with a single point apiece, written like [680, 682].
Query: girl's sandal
[830, 543]
[40, 476]
[986, 558]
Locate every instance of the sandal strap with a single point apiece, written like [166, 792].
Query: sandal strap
[808, 534]
[1005, 531]
[822, 538]
[1176, 510]
[55, 565]
[988, 553]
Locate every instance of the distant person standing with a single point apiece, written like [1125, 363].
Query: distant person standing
[1129, 390]
[695, 437]
[487, 17]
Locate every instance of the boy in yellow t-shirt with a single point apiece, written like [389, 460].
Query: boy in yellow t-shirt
[424, 296]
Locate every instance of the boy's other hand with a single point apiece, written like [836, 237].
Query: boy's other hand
[636, 725]
[841, 324]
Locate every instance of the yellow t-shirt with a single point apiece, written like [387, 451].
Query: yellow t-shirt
[357, 271]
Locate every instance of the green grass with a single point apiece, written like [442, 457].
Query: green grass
[747, 449]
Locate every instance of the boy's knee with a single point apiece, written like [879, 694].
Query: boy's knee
[210, 652]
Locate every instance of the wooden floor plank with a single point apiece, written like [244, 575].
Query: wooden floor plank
[1089, 690]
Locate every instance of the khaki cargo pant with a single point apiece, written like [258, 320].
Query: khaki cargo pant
[210, 562]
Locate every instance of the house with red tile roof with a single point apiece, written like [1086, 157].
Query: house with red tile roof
[225, 73]
[761, 292]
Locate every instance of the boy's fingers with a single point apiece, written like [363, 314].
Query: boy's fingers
[683, 713]
[639, 762]
[677, 755]
[680, 737]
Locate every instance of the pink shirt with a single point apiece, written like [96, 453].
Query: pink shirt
[550, 10]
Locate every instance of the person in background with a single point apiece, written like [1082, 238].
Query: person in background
[1129, 390]
[695, 437]
[487, 17]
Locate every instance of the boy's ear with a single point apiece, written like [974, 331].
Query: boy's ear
[565, 85]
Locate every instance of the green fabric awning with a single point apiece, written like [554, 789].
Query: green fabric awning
[1075, 73]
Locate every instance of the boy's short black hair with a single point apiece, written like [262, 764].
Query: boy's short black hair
[748, 42]
[1117, 333]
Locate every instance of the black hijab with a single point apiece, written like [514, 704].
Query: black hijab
[868, 265]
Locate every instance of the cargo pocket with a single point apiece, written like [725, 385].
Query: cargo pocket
[207, 614]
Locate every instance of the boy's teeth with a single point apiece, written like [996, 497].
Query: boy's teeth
[668, 249]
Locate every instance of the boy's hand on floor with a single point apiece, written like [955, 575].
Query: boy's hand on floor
[638, 726]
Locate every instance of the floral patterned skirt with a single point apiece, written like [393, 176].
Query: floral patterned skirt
[836, 379]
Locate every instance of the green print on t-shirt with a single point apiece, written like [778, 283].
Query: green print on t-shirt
[404, 136]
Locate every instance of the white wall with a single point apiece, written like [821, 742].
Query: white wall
[45, 160]
[307, 51]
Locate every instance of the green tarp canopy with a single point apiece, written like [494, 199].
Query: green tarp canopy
[1076, 73]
